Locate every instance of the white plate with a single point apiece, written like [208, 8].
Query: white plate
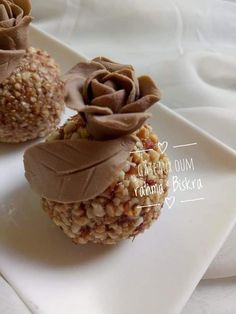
[154, 274]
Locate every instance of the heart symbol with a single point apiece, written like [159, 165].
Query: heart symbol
[170, 201]
[163, 146]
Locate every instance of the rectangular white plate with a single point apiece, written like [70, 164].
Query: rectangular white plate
[154, 274]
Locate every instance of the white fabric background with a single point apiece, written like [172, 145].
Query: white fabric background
[189, 47]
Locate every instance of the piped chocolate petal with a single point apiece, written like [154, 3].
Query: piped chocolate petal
[9, 60]
[7, 5]
[111, 65]
[14, 25]
[141, 104]
[122, 82]
[96, 110]
[116, 125]
[25, 5]
[73, 171]
[7, 23]
[14, 38]
[113, 101]
[111, 84]
[73, 95]
[85, 69]
[148, 87]
[75, 80]
[135, 93]
[120, 91]
[87, 92]
[99, 89]
[3, 13]
[17, 12]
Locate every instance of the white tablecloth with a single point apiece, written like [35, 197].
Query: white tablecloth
[189, 47]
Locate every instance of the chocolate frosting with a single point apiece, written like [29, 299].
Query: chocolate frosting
[75, 170]
[14, 23]
[111, 97]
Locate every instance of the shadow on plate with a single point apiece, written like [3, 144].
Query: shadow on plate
[8, 149]
[26, 230]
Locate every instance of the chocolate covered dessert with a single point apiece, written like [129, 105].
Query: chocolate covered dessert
[31, 91]
[102, 176]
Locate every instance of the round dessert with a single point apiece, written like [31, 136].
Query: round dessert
[102, 176]
[31, 91]
[31, 98]
[126, 208]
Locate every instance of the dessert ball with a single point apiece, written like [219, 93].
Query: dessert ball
[102, 176]
[31, 98]
[128, 206]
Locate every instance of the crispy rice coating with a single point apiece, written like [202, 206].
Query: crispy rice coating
[31, 99]
[117, 213]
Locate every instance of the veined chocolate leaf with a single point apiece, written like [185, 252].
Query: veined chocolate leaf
[75, 170]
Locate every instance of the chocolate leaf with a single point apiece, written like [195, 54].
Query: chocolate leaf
[75, 170]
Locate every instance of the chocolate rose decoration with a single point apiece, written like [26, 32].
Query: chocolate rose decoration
[111, 97]
[113, 102]
[14, 22]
